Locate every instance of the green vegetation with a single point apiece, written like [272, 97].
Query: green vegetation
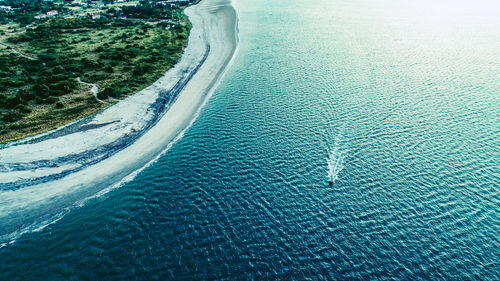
[39, 89]
[24, 11]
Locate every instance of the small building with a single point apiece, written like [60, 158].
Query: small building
[52, 13]
[179, 1]
[96, 16]
[40, 16]
[173, 2]
[79, 2]
[6, 8]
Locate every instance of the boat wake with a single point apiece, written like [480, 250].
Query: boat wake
[336, 158]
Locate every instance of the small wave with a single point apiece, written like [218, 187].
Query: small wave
[12, 237]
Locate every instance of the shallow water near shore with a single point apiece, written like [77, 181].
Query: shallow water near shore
[408, 93]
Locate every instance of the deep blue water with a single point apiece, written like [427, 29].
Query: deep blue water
[408, 92]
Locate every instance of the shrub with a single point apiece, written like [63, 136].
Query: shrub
[23, 108]
[26, 95]
[42, 90]
[12, 116]
[51, 100]
[12, 102]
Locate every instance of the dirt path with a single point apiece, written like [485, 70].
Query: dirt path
[94, 89]
[21, 53]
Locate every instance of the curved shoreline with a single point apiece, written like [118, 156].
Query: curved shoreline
[214, 36]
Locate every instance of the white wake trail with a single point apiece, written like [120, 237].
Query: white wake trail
[336, 159]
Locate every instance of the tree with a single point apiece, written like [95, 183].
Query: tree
[42, 90]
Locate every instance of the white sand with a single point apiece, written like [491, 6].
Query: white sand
[215, 24]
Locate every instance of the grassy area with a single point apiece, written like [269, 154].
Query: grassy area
[38, 86]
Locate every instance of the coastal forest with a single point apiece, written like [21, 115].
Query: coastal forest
[50, 64]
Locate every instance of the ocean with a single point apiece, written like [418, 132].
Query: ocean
[402, 98]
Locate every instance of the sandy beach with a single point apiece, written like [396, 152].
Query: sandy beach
[41, 179]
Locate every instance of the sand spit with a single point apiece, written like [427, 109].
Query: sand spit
[45, 176]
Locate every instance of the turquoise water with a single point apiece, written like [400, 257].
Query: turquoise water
[408, 92]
